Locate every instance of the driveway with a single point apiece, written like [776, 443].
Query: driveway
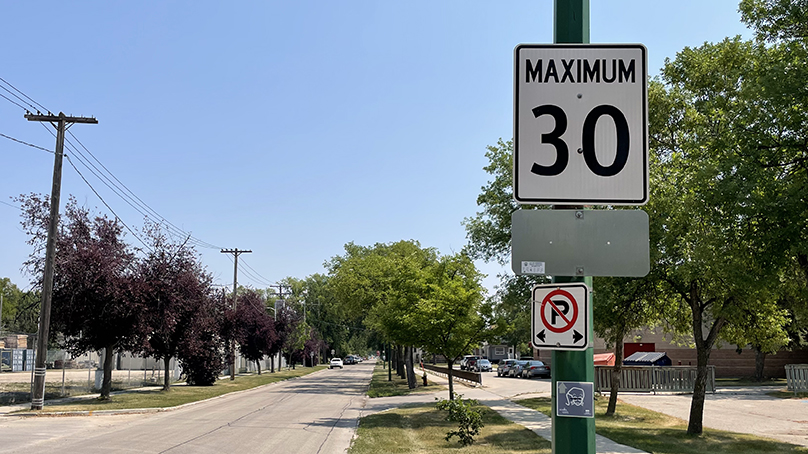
[744, 410]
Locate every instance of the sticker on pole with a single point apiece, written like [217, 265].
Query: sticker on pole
[560, 316]
[575, 399]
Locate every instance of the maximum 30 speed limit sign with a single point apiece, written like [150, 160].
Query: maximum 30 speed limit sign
[580, 124]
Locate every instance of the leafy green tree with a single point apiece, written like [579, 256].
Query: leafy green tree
[414, 298]
[620, 306]
[510, 304]
[729, 189]
[13, 301]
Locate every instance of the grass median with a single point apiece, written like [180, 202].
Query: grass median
[423, 428]
[178, 394]
[662, 434]
[381, 387]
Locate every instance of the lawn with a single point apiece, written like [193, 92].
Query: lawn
[662, 434]
[423, 428]
[179, 394]
[381, 387]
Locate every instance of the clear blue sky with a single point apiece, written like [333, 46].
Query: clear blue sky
[290, 128]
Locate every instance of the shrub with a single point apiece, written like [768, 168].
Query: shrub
[469, 419]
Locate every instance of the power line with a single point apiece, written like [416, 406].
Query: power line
[134, 198]
[20, 91]
[116, 186]
[26, 143]
[14, 102]
[12, 206]
[70, 161]
[261, 279]
[96, 172]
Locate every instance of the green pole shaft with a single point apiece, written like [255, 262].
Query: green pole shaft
[572, 435]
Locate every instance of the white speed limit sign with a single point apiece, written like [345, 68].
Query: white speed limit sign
[581, 124]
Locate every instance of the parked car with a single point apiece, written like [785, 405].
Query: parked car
[504, 366]
[482, 365]
[516, 369]
[464, 363]
[335, 362]
[535, 369]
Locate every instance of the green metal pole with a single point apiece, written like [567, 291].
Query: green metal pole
[572, 435]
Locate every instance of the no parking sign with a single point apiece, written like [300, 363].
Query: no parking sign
[560, 316]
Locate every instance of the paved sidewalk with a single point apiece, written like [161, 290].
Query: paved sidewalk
[531, 419]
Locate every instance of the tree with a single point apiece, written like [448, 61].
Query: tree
[92, 306]
[450, 318]
[511, 304]
[720, 185]
[255, 328]
[414, 298]
[291, 330]
[15, 308]
[620, 306]
[203, 347]
[173, 289]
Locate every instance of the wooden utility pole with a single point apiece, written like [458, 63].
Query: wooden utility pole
[61, 122]
[235, 253]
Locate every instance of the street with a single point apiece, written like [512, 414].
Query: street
[317, 413]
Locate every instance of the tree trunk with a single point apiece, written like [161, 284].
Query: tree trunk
[258, 365]
[166, 378]
[272, 364]
[616, 376]
[106, 384]
[760, 363]
[449, 364]
[695, 422]
[400, 362]
[410, 370]
[704, 346]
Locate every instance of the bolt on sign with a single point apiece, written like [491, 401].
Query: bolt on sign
[581, 124]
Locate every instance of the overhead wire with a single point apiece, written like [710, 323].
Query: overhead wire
[246, 272]
[14, 102]
[132, 196]
[20, 92]
[70, 161]
[11, 205]
[262, 279]
[105, 176]
[26, 143]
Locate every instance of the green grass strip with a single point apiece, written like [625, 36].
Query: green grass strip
[179, 395]
[381, 387]
[423, 428]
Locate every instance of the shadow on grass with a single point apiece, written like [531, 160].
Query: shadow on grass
[423, 428]
[676, 440]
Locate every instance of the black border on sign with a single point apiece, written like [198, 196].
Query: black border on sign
[585, 314]
[578, 201]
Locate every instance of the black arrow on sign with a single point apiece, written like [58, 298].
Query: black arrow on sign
[576, 336]
[541, 336]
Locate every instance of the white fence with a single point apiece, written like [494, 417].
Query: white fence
[653, 378]
[797, 377]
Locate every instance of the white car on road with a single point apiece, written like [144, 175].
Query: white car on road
[335, 362]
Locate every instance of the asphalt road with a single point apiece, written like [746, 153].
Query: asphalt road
[317, 413]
